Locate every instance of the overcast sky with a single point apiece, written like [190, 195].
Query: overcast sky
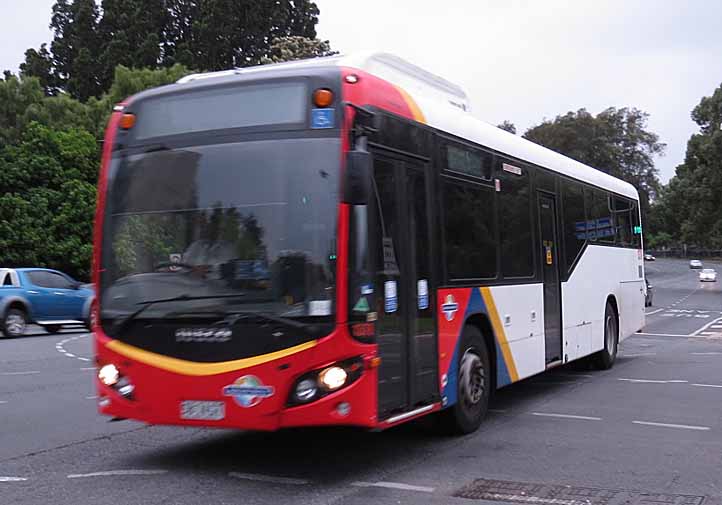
[521, 61]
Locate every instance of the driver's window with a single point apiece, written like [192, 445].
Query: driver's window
[58, 281]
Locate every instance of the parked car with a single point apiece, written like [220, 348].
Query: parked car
[695, 264]
[649, 257]
[41, 296]
[708, 275]
[648, 297]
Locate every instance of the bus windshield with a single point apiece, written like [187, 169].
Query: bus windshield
[247, 226]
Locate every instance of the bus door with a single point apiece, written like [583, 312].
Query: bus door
[400, 236]
[550, 276]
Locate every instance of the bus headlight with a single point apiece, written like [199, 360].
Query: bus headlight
[332, 378]
[305, 390]
[316, 384]
[109, 375]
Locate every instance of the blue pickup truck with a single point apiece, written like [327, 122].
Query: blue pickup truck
[41, 296]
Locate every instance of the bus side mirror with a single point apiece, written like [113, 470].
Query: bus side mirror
[357, 177]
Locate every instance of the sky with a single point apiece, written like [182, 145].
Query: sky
[523, 61]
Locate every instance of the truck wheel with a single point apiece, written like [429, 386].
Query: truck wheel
[473, 385]
[604, 359]
[14, 323]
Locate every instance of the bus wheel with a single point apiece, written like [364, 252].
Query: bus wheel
[604, 359]
[473, 385]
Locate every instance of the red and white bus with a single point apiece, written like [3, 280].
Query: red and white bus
[340, 242]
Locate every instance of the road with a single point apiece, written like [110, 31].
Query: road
[648, 431]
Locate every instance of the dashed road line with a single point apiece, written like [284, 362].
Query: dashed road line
[268, 478]
[91, 397]
[116, 472]
[703, 328]
[394, 485]
[3, 401]
[566, 416]
[638, 355]
[29, 372]
[707, 385]
[89, 368]
[712, 353]
[12, 479]
[678, 426]
[61, 349]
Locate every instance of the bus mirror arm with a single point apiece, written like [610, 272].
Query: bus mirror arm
[365, 121]
[357, 176]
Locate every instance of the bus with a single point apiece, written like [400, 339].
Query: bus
[338, 241]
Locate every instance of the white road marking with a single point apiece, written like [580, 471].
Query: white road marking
[83, 359]
[268, 478]
[89, 368]
[59, 347]
[655, 381]
[116, 472]
[703, 328]
[679, 426]
[707, 385]
[32, 372]
[3, 401]
[638, 355]
[92, 397]
[712, 353]
[653, 312]
[12, 479]
[395, 485]
[566, 416]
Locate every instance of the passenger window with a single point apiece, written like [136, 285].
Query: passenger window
[517, 250]
[468, 161]
[58, 281]
[575, 224]
[600, 224]
[7, 281]
[39, 279]
[470, 231]
[636, 227]
[622, 208]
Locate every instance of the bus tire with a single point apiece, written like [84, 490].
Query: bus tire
[473, 385]
[604, 359]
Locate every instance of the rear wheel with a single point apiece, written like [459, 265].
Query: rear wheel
[473, 385]
[14, 323]
[604, 359]
[52, 328]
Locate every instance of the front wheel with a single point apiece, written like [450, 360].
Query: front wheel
[604, 359]
[473, 385]
[14, 323]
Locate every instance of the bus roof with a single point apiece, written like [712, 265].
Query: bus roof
[445, 107]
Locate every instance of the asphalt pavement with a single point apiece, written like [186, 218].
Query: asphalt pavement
[648, 431]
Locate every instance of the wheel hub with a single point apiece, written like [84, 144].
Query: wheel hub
[472, 378]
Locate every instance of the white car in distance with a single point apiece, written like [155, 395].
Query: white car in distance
[708, 275]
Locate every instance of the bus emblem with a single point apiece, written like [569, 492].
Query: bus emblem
[449, 307]
[248, 391]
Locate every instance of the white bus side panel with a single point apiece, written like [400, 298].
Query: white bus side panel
[600, 272]
[521, 312]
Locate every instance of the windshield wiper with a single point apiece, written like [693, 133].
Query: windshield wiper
[123, 323]
[235, 316]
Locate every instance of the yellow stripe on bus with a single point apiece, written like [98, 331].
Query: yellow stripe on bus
[412, 105]
[500, 334]
[184, 367]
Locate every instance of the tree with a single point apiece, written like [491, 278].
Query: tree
[16, 96]
[689, 209]
[508, 126]
[297, 48]
[40, 64]
[616, 142]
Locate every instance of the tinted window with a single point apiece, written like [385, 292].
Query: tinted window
[470, 231]
[469, 161]
[40, 279]
[600, 224]
[575, 231]
[636, 227]
[517, 251]
[622, 209]
[6, 280]
[58, 281]
[220, 108]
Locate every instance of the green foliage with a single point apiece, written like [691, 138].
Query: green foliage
[689, 208]
[616, 141]
[508, 126]
[297, 48]
[48, 197]
[89, 42]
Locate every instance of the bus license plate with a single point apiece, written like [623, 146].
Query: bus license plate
[202, 411]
